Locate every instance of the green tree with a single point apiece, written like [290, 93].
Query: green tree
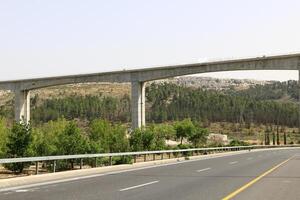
[118, 141]
[46, 138]
[72, 141]
[198, 137]
[105, 137]
[142, 140]
[162, 132]
[99, 135]
[18, 143]
[184, 129]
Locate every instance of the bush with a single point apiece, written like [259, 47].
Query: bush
[142, 140]
[122, 160]
[236, 142]
[105, 137]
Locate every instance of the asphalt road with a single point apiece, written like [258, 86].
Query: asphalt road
[214, 178]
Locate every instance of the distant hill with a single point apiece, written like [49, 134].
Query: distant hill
[279, 91]
[215, 83]
[119, 90]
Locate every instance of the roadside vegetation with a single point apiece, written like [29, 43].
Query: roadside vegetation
[100, 124]
[64, 137]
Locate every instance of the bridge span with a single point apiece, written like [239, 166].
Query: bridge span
[139, 77]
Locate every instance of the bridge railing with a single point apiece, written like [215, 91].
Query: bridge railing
[176, 152]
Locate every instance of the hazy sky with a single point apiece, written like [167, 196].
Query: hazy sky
[56, 37]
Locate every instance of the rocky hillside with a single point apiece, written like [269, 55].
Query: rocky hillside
[118, 90]
[214, 83]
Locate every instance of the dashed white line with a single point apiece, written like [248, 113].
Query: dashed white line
[234, 162]
[48, 183]
[138, 186]
[21, 191]
[7, 193]
[202, 170]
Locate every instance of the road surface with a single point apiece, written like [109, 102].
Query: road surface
[270, 174]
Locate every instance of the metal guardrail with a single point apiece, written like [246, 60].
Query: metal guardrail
[134, 154]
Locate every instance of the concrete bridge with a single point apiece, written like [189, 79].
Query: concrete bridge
[139, 77]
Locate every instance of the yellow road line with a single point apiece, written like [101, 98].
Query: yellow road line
[233, 194]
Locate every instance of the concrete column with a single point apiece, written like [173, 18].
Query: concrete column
[22, 105]
[138, 104]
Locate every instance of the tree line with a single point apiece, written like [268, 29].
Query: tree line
[65, 137]
[172, 102]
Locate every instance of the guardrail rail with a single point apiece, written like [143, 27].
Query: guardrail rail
[176, 152]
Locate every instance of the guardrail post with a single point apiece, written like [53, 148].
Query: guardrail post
[54, 166]
[145, 157]
[110, 160]
[36, 167]
[134, 159]
[162, 156]
[96, 162]
[169, 154]
[154, 156]
[81, 163]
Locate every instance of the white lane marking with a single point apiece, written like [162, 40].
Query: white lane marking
[286, 181]
[249, 158]
[34, 189]
[54, 185]
[234, 162]
[202, 170]
[138, 186]
[126, 170]
[115, 172]
[21, 191]
[7, 193]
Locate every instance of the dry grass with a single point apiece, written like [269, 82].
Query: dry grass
[105, 89]
[252, 134]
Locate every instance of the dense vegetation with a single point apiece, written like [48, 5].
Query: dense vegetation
[63, 137]
[274, 91]
[84, 107]
[102, 122]
[170, 102]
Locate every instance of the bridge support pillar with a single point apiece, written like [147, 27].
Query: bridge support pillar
[138, 104]
[22, 105]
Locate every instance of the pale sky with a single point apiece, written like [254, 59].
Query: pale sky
[40, 38]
